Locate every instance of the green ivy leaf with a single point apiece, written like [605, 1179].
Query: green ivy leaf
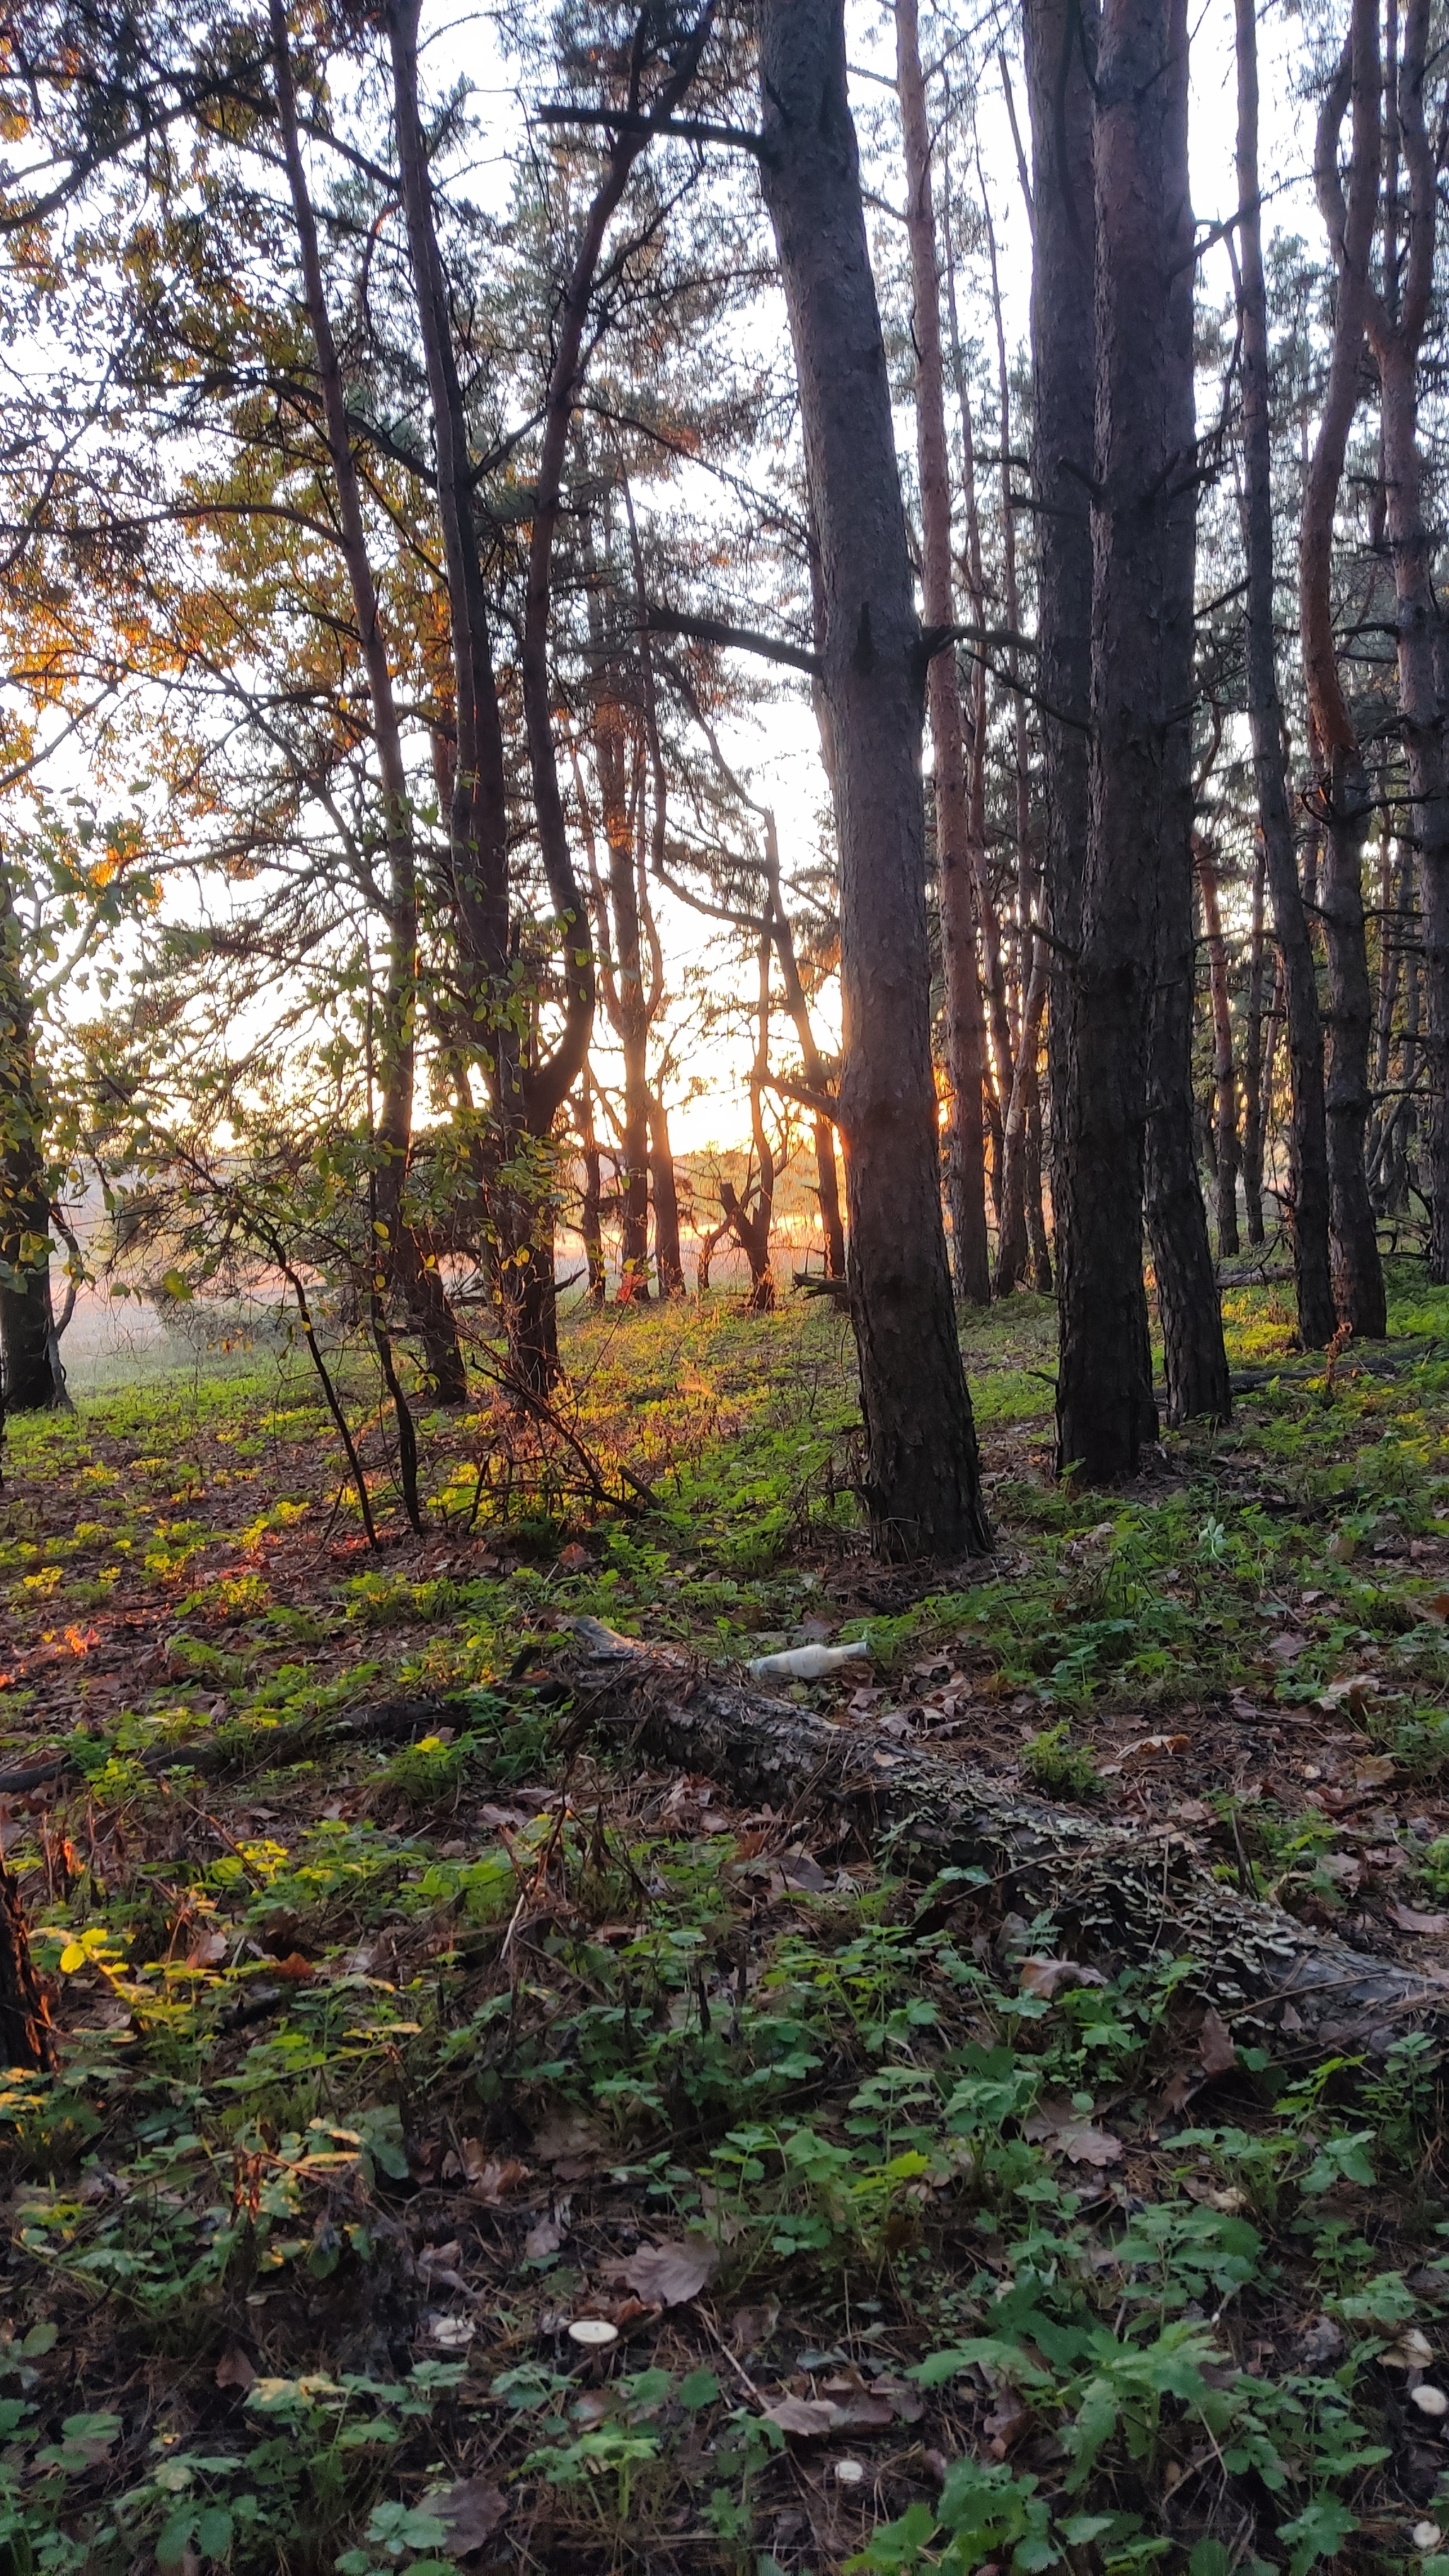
[1318, 2532]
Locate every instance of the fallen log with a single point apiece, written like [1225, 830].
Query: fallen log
[1113, 1893]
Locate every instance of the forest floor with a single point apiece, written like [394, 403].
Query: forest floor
[380, 2066]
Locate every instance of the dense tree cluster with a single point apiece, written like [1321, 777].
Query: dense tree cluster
[425, 454]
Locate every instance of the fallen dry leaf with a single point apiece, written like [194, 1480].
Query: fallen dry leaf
[1209, 2196]
[1150, 1748]
[669, 2275]
[1409, 1919]
[490, 2178]
[1320, 2343]
[297, 1970]
[1047, 1977]
[472, 2511]
[571, 2139]
[907, 2403]
[1006, 2423]
[1344, 1868]
[234, 2370]
[1374, 1771]
[750, 2327]
[545, 2237]
[1061, 2129]
[207, 1949]
[1215, 2045]
[799, 1871]
[810, 2416]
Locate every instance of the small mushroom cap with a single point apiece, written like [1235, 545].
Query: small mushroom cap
[594, 2332]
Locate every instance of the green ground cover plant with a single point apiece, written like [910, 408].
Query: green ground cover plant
[380, 2064]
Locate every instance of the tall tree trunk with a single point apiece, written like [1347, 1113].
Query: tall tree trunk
[922, 1482]
[1105, 1408]
[1013, 1241]
[1225, 1084]
[668, 1257]
[1343, 792]
[1274, 1024]
[1194, 1355]
[31, 1377]
[827, 1180]
[1405, 1129]
[996, 1072]
[591, 1204]
[1397, 338]
[1019, 1098]
[964, 1196]
[1195, 1359]
[626, 995]
[1041, 1256]
[1061, 47]
[1307, 1204]
[532, 1317]
[1254, 1089]
[405, 1264]
[618, 913]
[749, 1218]
[1392, 903]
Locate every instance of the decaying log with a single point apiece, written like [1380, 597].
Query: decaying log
[24, 2019]
[1113, 1893]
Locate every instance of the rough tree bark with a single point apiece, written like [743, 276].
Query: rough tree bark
[995, 1066]
[1108, 1890]
[1195, 1360]
[663, 1185]
[1016, 1156]
[1342, 783]
[405, 1264]
[1018, 1221]
[922, 1482]
[668, 1257]
[964, 1194]
[618, 926]
[32, 1379]
[1225, 1083]
[1254, 1090]
[1105, 1408]
[1307, 1203]
[1061, 48]
[1396, 327]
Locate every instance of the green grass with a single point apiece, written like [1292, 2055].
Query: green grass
[376, 2069]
